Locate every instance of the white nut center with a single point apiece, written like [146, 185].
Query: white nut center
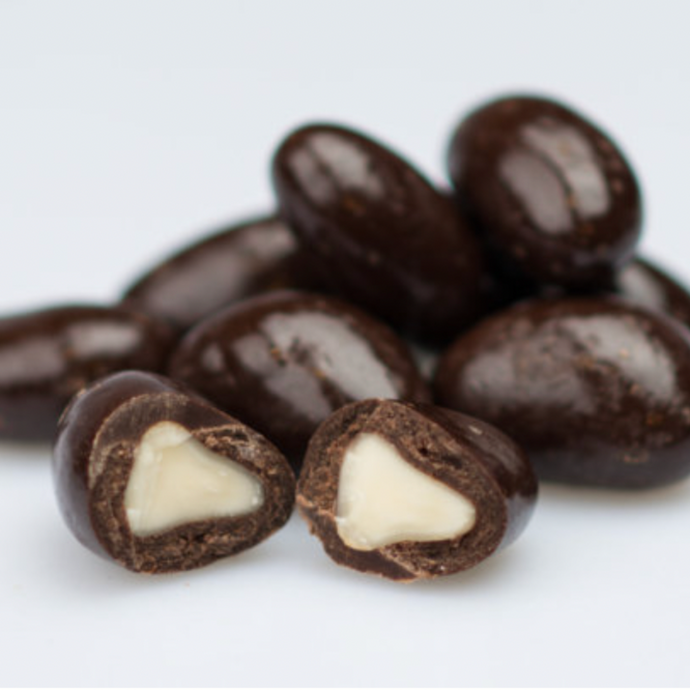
[382, 499]
[176, 479]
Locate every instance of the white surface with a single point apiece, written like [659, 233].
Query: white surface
[126, 128]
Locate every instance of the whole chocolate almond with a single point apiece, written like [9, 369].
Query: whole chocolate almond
[596, 390]
[47, 356]
[378, 232]
[554, 197]
[235, 263]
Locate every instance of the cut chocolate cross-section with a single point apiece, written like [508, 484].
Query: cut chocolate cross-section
[155, 478]
[410, 491]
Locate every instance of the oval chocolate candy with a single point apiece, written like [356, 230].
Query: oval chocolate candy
[47, 356]
[154, 478]
[380, 234]
[596, 390]
[231, 265]
[553, 195]
[411, 491]
[284, 361]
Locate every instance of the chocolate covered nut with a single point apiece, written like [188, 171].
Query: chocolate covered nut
[47, 356]
[555, 198]
[596, 390]
[380, 234]
[282, 362]
[151, 476]
[646, 284]
[226, 267]
[411, 491]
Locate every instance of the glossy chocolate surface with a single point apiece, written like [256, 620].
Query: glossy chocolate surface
[554, 197]
[284, 361]
[381, 235]
[231, 265]
[47, 356]
[647, 284]
[596, 390]
[93, 459]
[467, 455]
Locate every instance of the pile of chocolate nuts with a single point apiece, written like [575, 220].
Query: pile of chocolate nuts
[402, 362]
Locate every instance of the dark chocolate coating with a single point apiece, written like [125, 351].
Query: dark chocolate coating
[47, 356]
[93, 459]
[640, 282]
[231, 265]
[554, 197]
[380, 234]
[282, 362]
[596, 390]
[644, 283]
[466, 454]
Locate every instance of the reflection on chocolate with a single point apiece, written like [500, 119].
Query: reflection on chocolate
[645, 283]
[284, 361]
[554, 197]
[596, 390]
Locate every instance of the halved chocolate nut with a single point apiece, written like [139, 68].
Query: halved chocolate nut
[410, 491]
[153, 477]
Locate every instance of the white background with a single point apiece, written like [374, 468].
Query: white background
[126, 128]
